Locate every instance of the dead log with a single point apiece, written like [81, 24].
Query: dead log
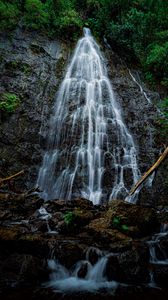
[8, 195]
[150, 171]
[11, 196]
[3, 180]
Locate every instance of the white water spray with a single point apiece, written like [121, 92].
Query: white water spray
[154, 247]
[88, 140]
[84, 276]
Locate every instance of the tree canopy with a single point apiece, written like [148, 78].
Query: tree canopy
[136, 29]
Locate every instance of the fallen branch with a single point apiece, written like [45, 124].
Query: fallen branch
[3, 180]
[149, 172]
[18, 196]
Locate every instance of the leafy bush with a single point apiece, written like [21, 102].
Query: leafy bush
[36, 16]
[156, 60]
[136, 29]
[9, 102]
[9, 15]
[69, 218]
[164, 119]
[117, 222]
[68, 22]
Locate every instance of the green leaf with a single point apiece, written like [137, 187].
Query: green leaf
[124, 227]
[116, 220]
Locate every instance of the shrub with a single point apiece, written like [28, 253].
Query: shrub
[118, 223]
[69, 218]
[36, 16]
[164, 119]
[9, 15]
[9, 102]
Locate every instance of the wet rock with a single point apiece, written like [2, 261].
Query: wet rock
[129, 267]
[134, 267]
[68, 252]
[93, 254]
[117, 241]
[82, 203]
[31, 70]
[8, 234]
[162, 214]
[22, 270]
[33, 66]
[161, 274]
[142, 220]
[83, 270]
[113, 269]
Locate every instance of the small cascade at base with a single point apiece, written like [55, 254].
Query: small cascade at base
[84, 276]
[154, 247]
[157, 254]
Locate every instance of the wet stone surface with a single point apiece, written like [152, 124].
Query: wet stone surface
[29, 237]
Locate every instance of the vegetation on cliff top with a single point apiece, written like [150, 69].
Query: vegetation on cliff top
[136, 29]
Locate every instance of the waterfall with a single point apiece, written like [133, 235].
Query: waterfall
[158, 255]
[140, 87]
[84, 276]
[155, 247]
[88, 141]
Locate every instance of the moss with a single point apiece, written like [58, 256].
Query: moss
[9, 102]
[18, 65]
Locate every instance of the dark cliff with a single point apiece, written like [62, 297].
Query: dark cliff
[32, 67]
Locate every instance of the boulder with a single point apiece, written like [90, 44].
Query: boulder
[141, 220]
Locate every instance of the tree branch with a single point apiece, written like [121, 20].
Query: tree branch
[149, 172]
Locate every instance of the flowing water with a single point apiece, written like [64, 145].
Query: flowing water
[140, 87]
[158, 255]
[84, 276]
[90, 151]
[155, 247]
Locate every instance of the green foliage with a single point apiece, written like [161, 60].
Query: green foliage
[118, 223]
[36, 16]
[69, 218]
[68, 22]
[164, 119]
[157, 62]
[9, 102]
[136, 29]
[64, 18]
[9, 15]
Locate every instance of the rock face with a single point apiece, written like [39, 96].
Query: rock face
[32, 68]
[141, 119]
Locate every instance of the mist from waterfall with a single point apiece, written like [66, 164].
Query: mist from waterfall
[88, 141]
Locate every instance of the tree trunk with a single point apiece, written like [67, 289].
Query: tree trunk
[149, 172]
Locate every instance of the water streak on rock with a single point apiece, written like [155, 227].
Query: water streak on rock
[87, 134]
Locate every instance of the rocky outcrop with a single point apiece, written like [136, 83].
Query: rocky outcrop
[32, 231]
[32, 67]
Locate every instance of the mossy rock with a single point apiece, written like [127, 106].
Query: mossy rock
[142, 219]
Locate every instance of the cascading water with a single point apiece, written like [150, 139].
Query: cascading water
[84, 276]
[87, 135]
[140, 87]
[155, 247]
[158, 255]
